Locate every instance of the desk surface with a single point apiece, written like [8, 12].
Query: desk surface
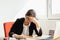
[43, 37]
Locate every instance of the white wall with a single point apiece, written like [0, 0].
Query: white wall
[10, 10]
[57, 31]
[47, 25]
[39, 6]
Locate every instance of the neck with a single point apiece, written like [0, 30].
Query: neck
[26, 24]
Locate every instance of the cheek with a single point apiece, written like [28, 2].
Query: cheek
[27, 21]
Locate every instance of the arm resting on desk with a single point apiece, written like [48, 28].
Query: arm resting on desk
[21, 36]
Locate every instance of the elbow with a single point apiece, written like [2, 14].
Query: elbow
[40, 34]
[10, 34]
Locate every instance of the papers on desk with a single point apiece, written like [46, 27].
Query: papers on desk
[33, 38]
[30, 39]
[42, 37]
[12, 38]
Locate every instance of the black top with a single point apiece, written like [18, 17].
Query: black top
[17, 28]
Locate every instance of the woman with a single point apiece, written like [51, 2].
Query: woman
[23, 27]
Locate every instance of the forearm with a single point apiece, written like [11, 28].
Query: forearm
[21, 36]
[17, 36]
[37, 23]
[38, 28]
[38, 32]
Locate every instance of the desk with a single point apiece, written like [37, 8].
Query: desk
[43, 37]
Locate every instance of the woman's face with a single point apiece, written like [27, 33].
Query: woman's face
[27, 20]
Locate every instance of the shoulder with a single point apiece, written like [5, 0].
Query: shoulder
[20, 19]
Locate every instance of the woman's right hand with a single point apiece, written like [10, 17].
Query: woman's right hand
[21, 36]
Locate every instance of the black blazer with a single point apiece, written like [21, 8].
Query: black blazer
[17, 28]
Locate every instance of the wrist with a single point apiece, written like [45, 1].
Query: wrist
[37, 24]
[29, 36]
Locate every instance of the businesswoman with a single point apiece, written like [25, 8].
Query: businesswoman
[23, 27]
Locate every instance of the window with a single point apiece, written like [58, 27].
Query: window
[53, 9]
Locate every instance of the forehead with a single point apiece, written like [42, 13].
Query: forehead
[27, 16]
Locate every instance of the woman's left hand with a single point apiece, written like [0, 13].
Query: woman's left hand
[34, 20]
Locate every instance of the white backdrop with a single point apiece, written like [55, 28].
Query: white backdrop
[10, 10]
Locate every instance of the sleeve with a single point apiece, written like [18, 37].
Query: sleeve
[38, 31]
[13, 29]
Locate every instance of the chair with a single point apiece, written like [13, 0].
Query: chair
[7, 27]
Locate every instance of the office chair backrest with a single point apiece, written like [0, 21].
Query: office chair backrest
[7, 27]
